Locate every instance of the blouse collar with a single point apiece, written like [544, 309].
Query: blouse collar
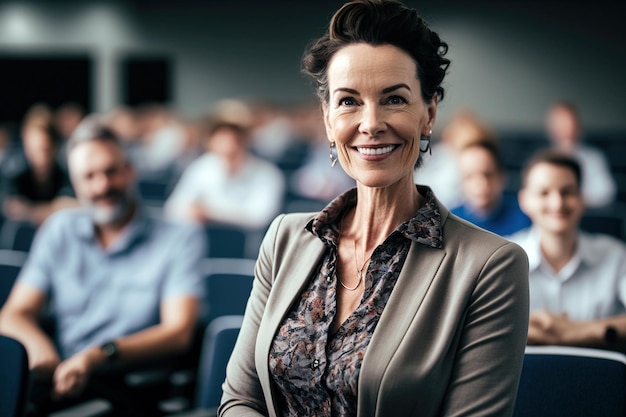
[424, 227]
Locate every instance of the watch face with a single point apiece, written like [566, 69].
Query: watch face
[110, 350]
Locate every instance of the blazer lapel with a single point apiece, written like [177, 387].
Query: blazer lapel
[297, 265]
[413, 282]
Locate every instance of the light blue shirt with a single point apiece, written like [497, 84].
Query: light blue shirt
[97, 295]
[591, 286]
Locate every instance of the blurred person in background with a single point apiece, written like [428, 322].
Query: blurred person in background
[65, 119]
[315, 178]
[577, 280]
[440, 168]
[124, 123]
[163, 138]
[483, 181]
[121, 287]
[228, 184]
[7, 154]
[564, 130]
[42, 186]
[271, 130]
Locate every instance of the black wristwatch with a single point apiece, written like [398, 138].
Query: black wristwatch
[610, 335]
[110, 350]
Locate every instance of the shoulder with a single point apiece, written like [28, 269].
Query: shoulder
[288, 234]
[204, 162]
[66, 218]
[598, 246]
[291, 224]
[63, 229]
[465, 239]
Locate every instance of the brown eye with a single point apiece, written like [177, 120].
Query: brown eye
[347, 101]
[396, 100]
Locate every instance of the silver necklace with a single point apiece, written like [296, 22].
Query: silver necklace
[359, 271]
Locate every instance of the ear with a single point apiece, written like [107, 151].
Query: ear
[521, 199]
[329, 129]
[431, 109]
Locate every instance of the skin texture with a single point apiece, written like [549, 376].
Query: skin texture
[384, 114]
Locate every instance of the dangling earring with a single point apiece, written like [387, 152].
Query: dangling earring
[425, 143]
[333, 158]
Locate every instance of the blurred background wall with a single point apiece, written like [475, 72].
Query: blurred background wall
[510, 58]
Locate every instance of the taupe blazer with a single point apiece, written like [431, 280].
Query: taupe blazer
[450, 341]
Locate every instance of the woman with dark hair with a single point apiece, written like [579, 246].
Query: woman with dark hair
[382, 304]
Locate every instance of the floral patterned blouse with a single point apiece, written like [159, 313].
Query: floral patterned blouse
[316, 371]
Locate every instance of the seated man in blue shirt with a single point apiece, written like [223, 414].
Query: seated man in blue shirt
[122, 287]
[482, 182]
[577, 280]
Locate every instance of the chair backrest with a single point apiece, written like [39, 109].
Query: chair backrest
[573, 382]
[10, 266]
[17, 235]
[218, 343]
[228, 282]
[225, 241]
[610, 224]
[14, 377]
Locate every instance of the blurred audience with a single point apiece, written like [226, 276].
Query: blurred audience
[42, 186]
[271, 130]
[65, 119]
[564, 130]
[439, 168]
[163, 138]
[124, 122]
[6, 151]
[122, 287]
[228, 184]
[577, 280]
[316, 178]
[483, 183]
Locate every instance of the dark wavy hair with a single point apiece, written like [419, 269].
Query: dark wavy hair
[552, 157]
[380, 22]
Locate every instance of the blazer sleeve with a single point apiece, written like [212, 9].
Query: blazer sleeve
[243, 395]
[490, 353]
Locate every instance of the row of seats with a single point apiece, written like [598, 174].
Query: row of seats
[555, 381]
[228, 285]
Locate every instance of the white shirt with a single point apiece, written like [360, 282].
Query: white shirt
[249, 198]
[598, 185]
[591, 286]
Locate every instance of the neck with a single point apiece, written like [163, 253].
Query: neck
[235, 163]
[379, 211]
[106, 234]
[558, 249]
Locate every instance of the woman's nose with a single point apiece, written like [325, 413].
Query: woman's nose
[372, 120]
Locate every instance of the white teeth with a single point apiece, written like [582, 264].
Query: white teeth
[375, 151]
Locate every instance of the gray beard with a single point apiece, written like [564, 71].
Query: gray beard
[106, 216]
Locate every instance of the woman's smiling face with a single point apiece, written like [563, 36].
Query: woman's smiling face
[375, 113]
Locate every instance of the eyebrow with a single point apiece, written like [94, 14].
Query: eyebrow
[396, 87]
[385, 90]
